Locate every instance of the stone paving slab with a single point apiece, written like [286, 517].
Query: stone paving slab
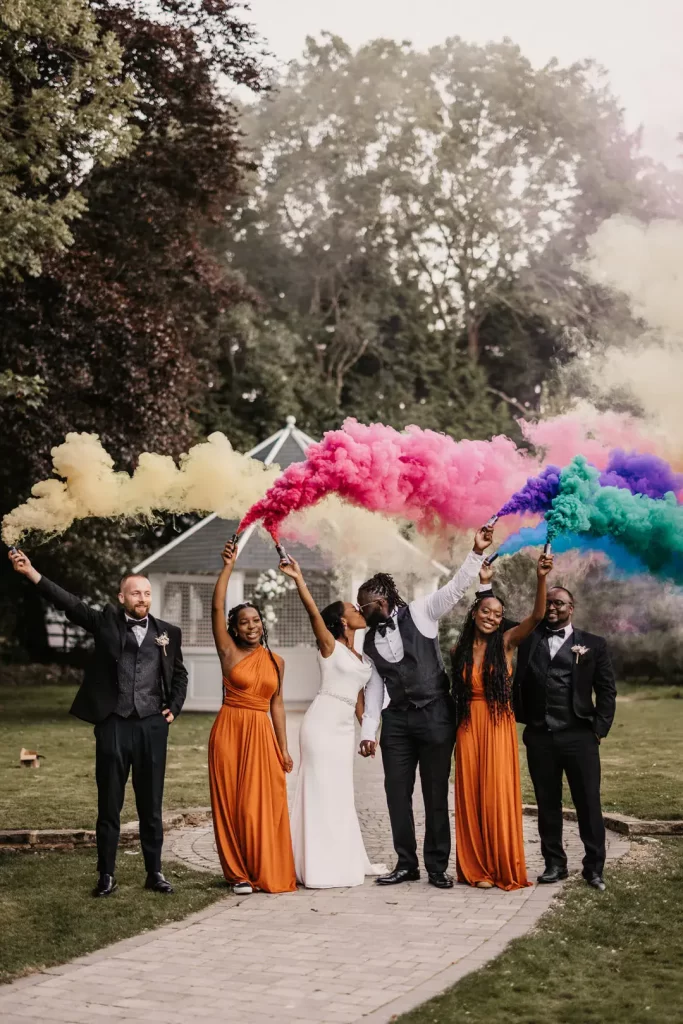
[333, 956]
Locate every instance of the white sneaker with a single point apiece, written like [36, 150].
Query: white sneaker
[242, 889]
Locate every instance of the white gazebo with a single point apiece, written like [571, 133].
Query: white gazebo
[183, 575]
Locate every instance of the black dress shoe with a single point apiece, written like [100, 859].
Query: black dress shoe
[596, 882]
[441, 880]
[399, 875]
[157, 883]
[554, 873]
[106, 885]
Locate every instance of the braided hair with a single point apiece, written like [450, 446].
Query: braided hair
[233, 616]
[383, 585]
[496, 674]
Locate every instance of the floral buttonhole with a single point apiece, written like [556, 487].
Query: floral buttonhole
[578, 650]
[164, 640]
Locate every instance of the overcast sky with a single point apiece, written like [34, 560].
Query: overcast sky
[638, 41]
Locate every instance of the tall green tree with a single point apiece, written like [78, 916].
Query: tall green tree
[453, 169]
[64, 106]
[124, 327]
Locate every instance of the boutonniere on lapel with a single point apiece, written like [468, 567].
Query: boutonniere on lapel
[578, 650]
[164, 640]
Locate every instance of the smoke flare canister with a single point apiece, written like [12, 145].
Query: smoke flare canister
[491, 522]
[547, 548]
[491, 559]
[284, 557]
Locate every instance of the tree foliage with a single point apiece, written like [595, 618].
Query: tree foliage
[455, 171]
[124, 327]
[64, 105]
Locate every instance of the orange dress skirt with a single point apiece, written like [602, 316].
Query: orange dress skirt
[248, 783]
[489, 840]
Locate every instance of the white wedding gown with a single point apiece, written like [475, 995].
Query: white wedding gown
[328, 846]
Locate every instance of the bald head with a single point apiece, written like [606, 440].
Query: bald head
[135, 594]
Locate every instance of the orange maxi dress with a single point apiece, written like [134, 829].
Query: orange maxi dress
[247, 781]
[489, 841]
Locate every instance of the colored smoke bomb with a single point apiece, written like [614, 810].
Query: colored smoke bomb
[284, 557]
[491, 559]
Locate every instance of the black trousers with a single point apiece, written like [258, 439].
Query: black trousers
[424, 737]
[122, 744]
[575, 752]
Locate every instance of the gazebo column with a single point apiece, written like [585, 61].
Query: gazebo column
[235, 594]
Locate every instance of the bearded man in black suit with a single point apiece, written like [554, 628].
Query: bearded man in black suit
[133, 689]
[566, 696]
[559, 670]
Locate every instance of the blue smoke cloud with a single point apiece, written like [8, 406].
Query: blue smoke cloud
[622, 561]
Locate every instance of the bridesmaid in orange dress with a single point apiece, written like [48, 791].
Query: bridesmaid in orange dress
[489, 841]
[248, 756]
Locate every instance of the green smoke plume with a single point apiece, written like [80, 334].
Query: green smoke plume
[650, 528]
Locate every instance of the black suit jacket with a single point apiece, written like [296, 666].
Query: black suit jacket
[591, 674]
[99, 692]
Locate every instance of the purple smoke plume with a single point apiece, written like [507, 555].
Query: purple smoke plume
[536, 495]
[640, 474]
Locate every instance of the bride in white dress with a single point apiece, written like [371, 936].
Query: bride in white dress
[326, 836]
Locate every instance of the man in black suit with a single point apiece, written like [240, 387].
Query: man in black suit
[133, 689]
[559, 669]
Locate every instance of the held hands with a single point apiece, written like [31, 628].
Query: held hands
[483, 539]
[545, 564]
[229, 554]
[367, 748]
[292, 569]
[486, 573]
[21, 563]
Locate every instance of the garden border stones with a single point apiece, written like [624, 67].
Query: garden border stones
[27, 840]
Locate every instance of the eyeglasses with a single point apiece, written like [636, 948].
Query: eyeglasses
[557, 604]
[360, 607]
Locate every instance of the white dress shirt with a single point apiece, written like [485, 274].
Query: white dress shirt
[425, 613]
[139, 632]
[555, 642]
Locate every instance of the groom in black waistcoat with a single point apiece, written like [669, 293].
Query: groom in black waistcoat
[133, 689]
[418, 726]
[559, 668]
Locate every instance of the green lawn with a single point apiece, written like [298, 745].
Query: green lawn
[595, 958]
[609, 958]
[642, 760]
[61, 793]
[48, 915]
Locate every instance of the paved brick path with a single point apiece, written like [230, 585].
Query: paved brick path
[336, 955]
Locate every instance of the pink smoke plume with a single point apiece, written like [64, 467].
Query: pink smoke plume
[588, 433]
[417, 474]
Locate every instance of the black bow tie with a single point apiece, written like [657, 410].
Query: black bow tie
[384, 626]
[136, 622]
[555, 632]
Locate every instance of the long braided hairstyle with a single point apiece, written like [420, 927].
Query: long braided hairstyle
[383, 585]
[233, 616]
[496, 675]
